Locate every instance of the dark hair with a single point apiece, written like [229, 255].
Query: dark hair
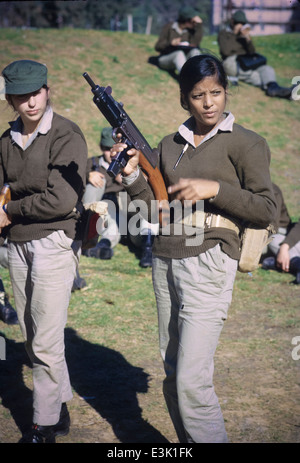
[197, 68]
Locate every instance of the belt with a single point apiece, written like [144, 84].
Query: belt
[217, 220]
[206, 220]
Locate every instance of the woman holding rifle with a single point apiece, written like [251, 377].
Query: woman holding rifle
[210, 159]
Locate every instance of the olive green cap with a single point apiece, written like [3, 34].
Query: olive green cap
[239, 17]
[24, 76]
[185, 13]
[106, 137]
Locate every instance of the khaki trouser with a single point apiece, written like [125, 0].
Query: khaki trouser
[42, 274]
[259, 77]
[176, 59]
[278, 238]
[193, 296]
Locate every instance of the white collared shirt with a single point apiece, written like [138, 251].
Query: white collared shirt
[178, 29]
[186, 129]
[43, 127]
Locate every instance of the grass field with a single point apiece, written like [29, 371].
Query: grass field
[111, 335]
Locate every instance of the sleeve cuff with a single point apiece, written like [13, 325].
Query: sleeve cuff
[214, 197]
[129, 179]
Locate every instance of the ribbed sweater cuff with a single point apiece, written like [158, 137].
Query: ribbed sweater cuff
[14, 208]
[136, 187]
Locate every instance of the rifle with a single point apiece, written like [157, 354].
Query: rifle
[5, 195]
[132, 137]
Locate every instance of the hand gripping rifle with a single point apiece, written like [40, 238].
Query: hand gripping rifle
[132, 137]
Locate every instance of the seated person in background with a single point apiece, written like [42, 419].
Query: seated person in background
[100, 187]
[285, 246]
[179, 40]
[235, 40]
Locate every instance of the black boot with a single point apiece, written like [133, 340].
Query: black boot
[63, 426]
[46, 434]
[146, 259]
[102, 250]
[39, 435]
[274, 90]
[295, 268]
[269, 263]
[105, 249]
[7, 313]
[78, 282]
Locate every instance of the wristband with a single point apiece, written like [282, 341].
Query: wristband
[4, 207]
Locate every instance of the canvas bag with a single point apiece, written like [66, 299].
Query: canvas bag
[253, 242]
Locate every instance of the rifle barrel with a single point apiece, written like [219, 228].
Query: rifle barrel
[89, 80]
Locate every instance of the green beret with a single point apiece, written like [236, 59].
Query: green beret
[24, 76]
[187, 13]
[106, 137]
[239, 17]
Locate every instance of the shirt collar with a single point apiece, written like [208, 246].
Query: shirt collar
[103, 162]
[43, 128]
[176, 27]
[228, 28]
[186, 129]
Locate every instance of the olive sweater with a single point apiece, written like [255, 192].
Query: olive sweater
[239, 160]
[172, 31]
[232, 44]
[46, 179]
[284, 220]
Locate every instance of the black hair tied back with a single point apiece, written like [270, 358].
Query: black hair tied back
[198, 68]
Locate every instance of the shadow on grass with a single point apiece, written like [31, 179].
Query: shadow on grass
[15, 395]
[110, 384]
[100, 375]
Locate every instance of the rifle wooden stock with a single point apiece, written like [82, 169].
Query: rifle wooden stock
[158, 187]
[5, 195]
